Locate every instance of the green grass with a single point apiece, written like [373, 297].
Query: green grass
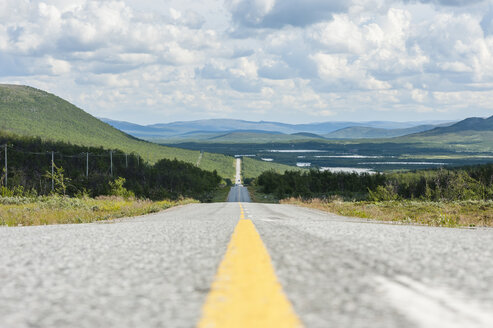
[22, 211]
[252, 168]
[258, 137]
[30, 112]
[460, 141]
[259, 197]
[221, 194]
[439, 214]
[225, 165]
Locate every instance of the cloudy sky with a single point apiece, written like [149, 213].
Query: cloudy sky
[150, 61]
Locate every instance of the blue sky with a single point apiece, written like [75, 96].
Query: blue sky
[282, 60]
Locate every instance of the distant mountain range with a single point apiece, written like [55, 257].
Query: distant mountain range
[469, 124]
[363, 132]
[216, 129]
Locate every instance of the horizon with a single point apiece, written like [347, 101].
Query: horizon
[281, 122]
[279, 61]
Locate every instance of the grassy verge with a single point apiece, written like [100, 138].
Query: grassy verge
[221, 194]
[441, 214]
[258, 197]
[17, 211]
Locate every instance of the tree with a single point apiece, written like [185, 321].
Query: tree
[59, 179]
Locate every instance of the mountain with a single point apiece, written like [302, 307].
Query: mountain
[308, 135]
[258, 137]
[364, 132]
[469, 124]
[469, 135]
[27, 111]
[204, 129]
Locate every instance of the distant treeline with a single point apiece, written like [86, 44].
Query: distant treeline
[469, 183]
[29, 164]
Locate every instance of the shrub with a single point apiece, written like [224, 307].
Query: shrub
[117, 188]
[60, 181]
[383, 194]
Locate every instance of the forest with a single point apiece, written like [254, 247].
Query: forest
[96, 171]
[467, 183]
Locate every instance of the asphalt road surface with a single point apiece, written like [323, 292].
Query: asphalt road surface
[238, 171]
[239, 193]
[157, 271]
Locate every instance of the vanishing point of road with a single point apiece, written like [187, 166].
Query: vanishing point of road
[245, 265]
[238, 192]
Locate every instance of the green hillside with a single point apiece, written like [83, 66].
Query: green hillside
[460, 141]
[470, 135]
[258, 137]
[253, 168]
[27, 111]
[469, 124]
[362, 132]
[31, 112]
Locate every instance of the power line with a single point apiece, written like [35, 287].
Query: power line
[63, 156]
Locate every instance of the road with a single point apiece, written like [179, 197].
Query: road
[238, 171]
[157, 271]
[238, 192]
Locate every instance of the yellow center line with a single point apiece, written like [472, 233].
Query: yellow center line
[246, 292]
[242, 212]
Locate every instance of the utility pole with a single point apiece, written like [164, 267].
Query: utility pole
[52, 170]
[6, 167]
[87, 164]
[126, 161]
[111, 161]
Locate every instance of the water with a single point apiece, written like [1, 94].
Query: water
[347, 156]
[347, 170]
[402, 163]
[296, 151]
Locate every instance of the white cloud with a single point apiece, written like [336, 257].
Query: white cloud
[295, 60]
[279, 13]
[58, 67]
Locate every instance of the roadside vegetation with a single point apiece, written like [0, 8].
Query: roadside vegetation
[471, 183]
[441, 214]
[113, 185]
[29, 168]
[450, 198]
[21, 207]
[222, 192]
[56, 209]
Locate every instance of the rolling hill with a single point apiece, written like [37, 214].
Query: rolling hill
[205, 129]
[260, 137]
[364, 132]
[27, 111]
[469, 124]
[469, 135]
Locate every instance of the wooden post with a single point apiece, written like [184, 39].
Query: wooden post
[6, 168]
[52, 171]
[111, 160]
[87, 164]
